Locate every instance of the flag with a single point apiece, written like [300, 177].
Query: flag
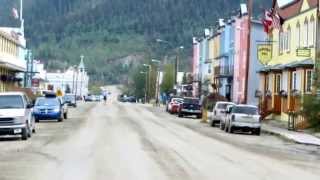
[272, 20]
[15, 13]
[267, 22]
[277, 21]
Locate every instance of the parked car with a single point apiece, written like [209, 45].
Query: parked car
[49, 108]
[174, 104]
[224, 118]
[98, 98]
[16, 115]
[89, 98]
[190, 106]
[244, 118]
[70, 100]
[219, 112]
[131, 99]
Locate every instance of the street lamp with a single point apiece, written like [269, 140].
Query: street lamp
[157, 81]
[177, 56]
[146, 86]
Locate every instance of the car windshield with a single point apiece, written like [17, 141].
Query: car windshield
[47, 102]
[245, 110]
[223, 105]
[69, 98]
[177, 100]
[11, 102]
[191, 101]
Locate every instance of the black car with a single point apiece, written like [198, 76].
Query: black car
[131, 99]
[190, 106]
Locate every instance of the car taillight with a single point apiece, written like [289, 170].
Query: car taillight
[233, 118]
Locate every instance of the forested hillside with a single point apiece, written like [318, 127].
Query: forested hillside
[60, 30]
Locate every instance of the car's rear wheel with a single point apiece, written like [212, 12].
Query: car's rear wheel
[199, 116]
[180, 115]
[36, 120]
[222, 126]
[230, 129]
[256, 131]
[60, 119]
[65, 115]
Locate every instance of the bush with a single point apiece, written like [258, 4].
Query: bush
[311, 110]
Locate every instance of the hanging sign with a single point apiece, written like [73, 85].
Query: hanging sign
[264, 53]
[303, 52]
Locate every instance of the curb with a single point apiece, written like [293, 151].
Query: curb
[287, 138]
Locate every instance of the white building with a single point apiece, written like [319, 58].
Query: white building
[73, 80]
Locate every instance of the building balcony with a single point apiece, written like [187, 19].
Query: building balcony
[223, 71]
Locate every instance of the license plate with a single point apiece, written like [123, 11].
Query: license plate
[17, 131]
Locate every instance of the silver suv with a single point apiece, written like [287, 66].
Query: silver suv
[16, 116]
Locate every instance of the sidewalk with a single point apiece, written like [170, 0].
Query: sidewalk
[297, 137]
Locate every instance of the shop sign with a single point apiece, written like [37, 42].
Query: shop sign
[264, 53]
[303, 52]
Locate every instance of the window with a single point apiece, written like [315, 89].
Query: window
[281, 42]
[298, 33]
[267, 82]
[294, 81]
[288, 39]
[278, 83]
[311, 32]
[308, 81]
[305, 34]
[284, 81]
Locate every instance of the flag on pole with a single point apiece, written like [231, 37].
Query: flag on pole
[15, 13]
[272, 20]
[267, 22]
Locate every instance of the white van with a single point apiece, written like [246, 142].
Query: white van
[16, 116]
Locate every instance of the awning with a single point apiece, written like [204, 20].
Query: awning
[277, 67]
[308, 63]
[297, 64]
[12, 67]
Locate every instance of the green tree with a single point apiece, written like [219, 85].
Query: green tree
[168, 78]
[311, 110]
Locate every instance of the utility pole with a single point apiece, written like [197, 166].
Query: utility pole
[76, 86]
[73, 74]
[81, 75]
[317, 54]
[249, 6]
[21, 18]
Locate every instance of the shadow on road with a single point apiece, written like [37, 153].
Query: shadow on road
[11, 138]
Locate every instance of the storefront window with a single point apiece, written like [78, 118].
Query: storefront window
[308, 81]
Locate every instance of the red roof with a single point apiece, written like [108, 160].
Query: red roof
[293, 8]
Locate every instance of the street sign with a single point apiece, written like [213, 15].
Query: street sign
[264, 53]
[303, 52]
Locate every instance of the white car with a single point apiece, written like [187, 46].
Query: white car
[244, 118]
[16, 115]
[219, 112]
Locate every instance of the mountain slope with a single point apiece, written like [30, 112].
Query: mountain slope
[59, 31]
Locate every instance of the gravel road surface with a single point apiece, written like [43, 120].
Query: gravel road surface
[120, 141]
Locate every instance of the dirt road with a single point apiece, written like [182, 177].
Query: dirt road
[130, 141]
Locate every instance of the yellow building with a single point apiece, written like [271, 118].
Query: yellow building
[288, 76]
[10, 61]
